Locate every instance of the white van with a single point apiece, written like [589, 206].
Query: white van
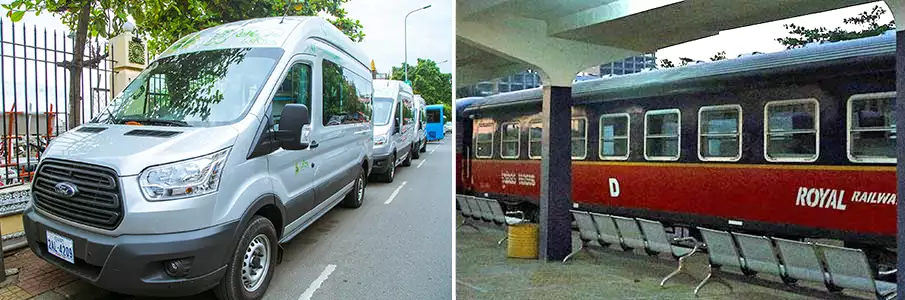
[230, 143]
[394, 127]
[421, 123]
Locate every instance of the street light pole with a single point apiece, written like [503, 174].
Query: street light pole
[405, 43]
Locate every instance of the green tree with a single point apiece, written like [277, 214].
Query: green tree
[868, 24]
[428, 81]
[718, 56]
[166, 21]
[85, 17]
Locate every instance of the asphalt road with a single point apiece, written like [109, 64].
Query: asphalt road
[392, 247]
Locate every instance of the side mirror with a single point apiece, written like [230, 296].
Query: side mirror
[294, 119]
[396, 126]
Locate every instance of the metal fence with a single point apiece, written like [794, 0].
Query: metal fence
[35, 92]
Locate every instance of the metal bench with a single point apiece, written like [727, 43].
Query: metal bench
[486, 214]
[848, 268]
[658, 241]
[607, 233]
[722, 251]
[759, 255]
[493, 213]
[800, 261]
[631, 234]
[587, 232]
[467, 213]
[477, 213]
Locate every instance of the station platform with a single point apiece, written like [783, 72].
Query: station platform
[484, 272]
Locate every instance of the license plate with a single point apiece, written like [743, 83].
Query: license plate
[60, 246]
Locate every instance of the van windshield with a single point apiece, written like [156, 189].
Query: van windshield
[206, 88]
[382, 110]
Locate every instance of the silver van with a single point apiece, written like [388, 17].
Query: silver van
[231, 142]
[421, 123]
[394, 128]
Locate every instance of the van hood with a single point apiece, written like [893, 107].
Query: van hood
[130, 149]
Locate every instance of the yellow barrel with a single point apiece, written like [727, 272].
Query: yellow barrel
[523, 240]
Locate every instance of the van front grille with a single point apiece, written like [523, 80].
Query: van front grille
[96, 201]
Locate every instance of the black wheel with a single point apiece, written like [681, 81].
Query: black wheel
[415, 153]
[390, 174]
[356, 195]
[423, 147]
[408, 160]
[249, 271]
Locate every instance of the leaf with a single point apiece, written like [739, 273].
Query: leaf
[16, 16]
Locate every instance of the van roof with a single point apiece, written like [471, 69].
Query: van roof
[390, 88]
[266, 32]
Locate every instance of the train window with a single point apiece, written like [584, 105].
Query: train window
[579, 138]
[614, 136]
[872, 128]
[509, 140]
[661, 134]
[719, 133]
[484, 140]
[791, 130]
[535, 130]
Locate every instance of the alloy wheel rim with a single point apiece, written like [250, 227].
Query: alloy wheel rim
[361, 189]
[256, 262]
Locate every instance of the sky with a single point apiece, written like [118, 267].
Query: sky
[430, 33]
[762, 37]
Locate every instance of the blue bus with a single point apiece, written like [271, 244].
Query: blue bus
[435, 121]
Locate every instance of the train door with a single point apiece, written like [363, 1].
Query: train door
[464, 153]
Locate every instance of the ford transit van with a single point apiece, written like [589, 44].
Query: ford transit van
[394, 127]
[231, 142]
[421, 123]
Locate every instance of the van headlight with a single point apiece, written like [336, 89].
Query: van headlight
[380, 139]
[193, 177]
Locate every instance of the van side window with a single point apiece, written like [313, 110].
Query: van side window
[661, 134]
[535, 132]
[579, 138]
[719, 133]
[408, 116]
[509, 140]
[295, 89]
[872, 128]
[347, 96]
[484, 139]
[791, 130]
[614, 136]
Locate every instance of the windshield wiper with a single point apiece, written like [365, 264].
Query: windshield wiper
[149, 121]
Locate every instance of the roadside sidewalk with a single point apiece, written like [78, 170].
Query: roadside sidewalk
[34, 278]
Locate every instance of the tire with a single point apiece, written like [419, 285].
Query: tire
[260, 237]
[356, 195]
[389, 175]
[415, 153]
[408, 160]
[423, 147]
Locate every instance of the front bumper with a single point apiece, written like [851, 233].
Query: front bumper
[382, 163]
[134, 264]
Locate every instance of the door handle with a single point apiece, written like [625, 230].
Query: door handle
[362, 131]
[313, 145]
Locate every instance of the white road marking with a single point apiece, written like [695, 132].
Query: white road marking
[317, 283]
[396, 192]
[435, 149]
[421, 163]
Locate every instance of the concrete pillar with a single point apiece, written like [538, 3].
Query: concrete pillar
[556, 173]
[130, 56]
[898, 12]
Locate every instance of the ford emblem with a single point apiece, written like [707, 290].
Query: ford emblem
[65, 189]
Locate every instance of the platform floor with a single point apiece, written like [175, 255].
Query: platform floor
[484, 272]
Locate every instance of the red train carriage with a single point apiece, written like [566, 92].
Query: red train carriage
[796, 144]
